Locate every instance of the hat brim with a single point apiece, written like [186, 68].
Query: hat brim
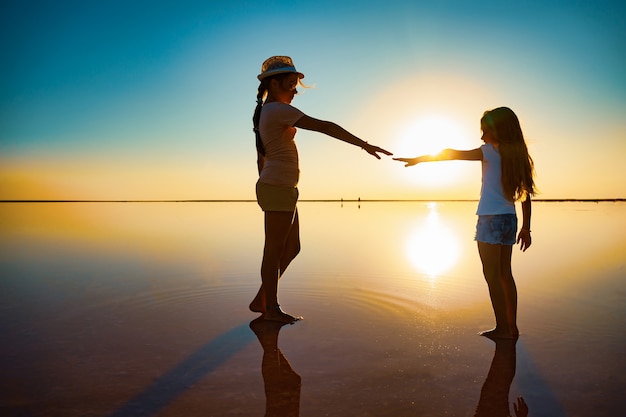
[277, 71]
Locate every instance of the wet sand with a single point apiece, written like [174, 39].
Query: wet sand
[140, 310]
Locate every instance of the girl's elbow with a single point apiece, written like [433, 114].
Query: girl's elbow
[328, 128]
[446, 154]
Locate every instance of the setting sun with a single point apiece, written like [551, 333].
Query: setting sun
[430, 134]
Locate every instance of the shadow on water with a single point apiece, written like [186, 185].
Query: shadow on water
[174, 383]
[282, 383]
[494, 396]
[541, 394]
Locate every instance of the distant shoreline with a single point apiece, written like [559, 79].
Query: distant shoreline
[554, 200]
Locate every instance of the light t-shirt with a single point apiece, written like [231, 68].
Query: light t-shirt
[492, 199]
[281, 165]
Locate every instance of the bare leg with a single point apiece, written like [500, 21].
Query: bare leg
[509, 287]
[291, 250]
[496, 260]
[281, 246]
[292, 245]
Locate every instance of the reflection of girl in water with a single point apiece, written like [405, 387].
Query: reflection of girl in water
[494, 396]
[507, 177]
[282, 383]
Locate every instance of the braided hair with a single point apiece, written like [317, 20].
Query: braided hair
[262, 92]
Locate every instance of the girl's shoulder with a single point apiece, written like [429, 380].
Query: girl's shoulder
[490, 153]
[279, 108]
[281, 113]
[488, 148]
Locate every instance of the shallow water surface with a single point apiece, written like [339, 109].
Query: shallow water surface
[140, 309]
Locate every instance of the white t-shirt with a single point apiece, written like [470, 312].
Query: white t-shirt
[492, 199]
[281, 165]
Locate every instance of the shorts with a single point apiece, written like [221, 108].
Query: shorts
[496, 229]
[276, 198]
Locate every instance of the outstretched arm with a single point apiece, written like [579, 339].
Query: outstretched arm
[338, 132]
[445, 155]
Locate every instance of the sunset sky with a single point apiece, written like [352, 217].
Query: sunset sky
[154, 99]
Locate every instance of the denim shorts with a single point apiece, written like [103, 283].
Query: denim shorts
[497, 229]
[275, 198]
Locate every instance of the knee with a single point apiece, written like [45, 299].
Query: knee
[273, 251]
[507, 278]
[491, 271]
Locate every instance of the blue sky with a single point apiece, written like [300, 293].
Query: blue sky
[112, 99]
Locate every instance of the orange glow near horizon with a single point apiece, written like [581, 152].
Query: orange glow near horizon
[96, 179]
[419, 114]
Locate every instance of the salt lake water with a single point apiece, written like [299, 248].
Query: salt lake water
[140, 309]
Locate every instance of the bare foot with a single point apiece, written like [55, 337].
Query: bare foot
[258, 304]
[500, 334]
[277, 314]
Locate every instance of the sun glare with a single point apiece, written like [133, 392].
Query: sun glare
[432, 247]
[429, 135]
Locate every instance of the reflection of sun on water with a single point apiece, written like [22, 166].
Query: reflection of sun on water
[432, 247]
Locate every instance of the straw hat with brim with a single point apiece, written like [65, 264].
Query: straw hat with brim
[277, 65]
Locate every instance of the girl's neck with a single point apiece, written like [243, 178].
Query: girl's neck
[275, 100]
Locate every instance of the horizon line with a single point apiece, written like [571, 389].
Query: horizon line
[341, 200]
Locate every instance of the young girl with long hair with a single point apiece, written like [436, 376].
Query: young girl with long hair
[275, 122]
[508, 176]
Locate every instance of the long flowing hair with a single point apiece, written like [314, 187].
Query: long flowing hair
[518, 169]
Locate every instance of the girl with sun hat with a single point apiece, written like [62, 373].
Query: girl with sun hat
[275, 122]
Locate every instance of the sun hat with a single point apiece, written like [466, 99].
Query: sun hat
[277, 65]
